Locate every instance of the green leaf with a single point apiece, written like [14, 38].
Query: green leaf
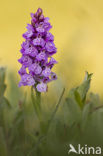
[78, 98]
[2, 82]
[86, 115]
[94, 98]
[78, 94]
[84, 87]
[55, 110]
[2, 90]
[74, 111]
[2, 75]
[3, 148]
[4, 103]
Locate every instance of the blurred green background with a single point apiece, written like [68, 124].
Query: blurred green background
[78, 31]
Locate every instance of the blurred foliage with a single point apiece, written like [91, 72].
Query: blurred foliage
[76, 119]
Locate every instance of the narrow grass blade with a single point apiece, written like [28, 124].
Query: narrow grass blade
[57, 106]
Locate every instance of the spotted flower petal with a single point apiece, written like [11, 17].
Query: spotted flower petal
[26, 80]
[37, 51]
[42, 87]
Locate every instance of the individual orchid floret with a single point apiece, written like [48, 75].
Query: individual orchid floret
[26, 80]
[42, 87]
[37, 51]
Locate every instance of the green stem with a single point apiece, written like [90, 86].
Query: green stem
[36, 102]
[39, 111]
[38, 99]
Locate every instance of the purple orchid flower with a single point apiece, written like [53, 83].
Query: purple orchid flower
[37, 51]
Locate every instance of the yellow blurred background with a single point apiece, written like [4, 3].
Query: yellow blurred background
[78, 31]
